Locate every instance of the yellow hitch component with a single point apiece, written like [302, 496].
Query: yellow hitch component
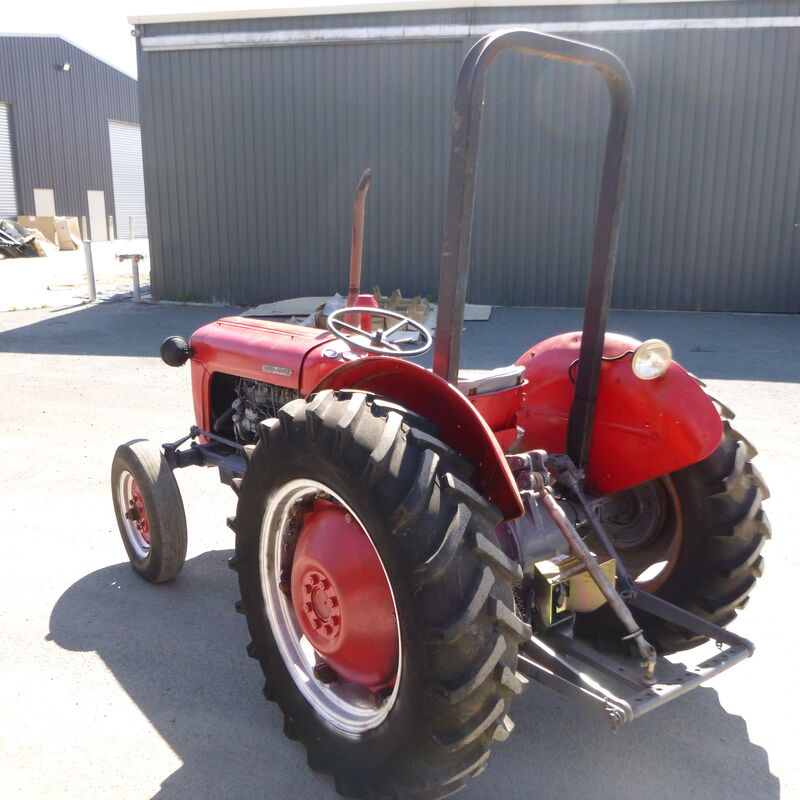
[562, 585]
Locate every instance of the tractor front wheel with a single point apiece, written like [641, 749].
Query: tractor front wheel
[378, 601]
[149, 510]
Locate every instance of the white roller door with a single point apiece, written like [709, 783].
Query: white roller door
[128, 178]
[8, 192]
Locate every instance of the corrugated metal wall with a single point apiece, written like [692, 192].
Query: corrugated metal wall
[60, 131]
[251, 157]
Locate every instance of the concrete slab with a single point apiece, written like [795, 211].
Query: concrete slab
[110, 687]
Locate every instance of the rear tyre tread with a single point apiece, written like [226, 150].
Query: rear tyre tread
[467, 495]
[750, 448]
[744, 562]
[473, 769]
[726, 571]
[459, 578]
[507, 620]
[424, 440]
[381, 456]
[492, 555]
[348, 421]
[456, 629]
[478, 725]
[269, 429]
[724, 603]
[510, 680]
[437, 565]
[416, 501]
[504, 729]
[456, 694]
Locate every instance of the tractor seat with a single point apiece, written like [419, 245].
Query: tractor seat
[484, 381]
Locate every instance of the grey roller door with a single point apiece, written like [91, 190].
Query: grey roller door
[128, 177]
[8, 192]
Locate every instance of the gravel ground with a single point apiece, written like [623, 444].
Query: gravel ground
[110, 687]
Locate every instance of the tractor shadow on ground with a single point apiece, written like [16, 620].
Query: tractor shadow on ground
[753, 347]
[179, 651]
[103, 329]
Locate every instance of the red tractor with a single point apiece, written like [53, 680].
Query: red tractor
[413, 547]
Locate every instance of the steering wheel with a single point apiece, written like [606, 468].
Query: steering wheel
[379, 341]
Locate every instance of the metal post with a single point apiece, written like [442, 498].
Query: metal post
[110, 228]
[87, 254]
[137, 297]
[84, 229]
[130, 227]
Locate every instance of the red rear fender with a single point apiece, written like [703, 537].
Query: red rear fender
[460, 425]
[642, 429]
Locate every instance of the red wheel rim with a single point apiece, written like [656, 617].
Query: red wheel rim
[135, 520]
[342, 598]
[341, 645]
[138, 512]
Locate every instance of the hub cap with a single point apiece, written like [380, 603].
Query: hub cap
[330, 605]
[135, 521]
[342, 599]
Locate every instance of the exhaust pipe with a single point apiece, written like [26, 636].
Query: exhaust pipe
[357, 241]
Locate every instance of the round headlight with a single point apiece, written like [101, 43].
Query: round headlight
[651, 359]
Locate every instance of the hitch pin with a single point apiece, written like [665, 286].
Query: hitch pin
[578, 547]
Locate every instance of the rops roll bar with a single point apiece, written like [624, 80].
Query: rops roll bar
[459, 208]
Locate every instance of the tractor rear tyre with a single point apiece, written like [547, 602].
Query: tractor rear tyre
[149, 510]
[379, 603]
[693, 538]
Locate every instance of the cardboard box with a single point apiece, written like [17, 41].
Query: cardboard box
[67, 232]
[45, 225]
[62, 231]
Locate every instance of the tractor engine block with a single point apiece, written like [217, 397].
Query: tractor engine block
[256, 401]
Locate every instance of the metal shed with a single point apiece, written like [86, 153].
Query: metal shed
[59, 106]
[257, 125]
